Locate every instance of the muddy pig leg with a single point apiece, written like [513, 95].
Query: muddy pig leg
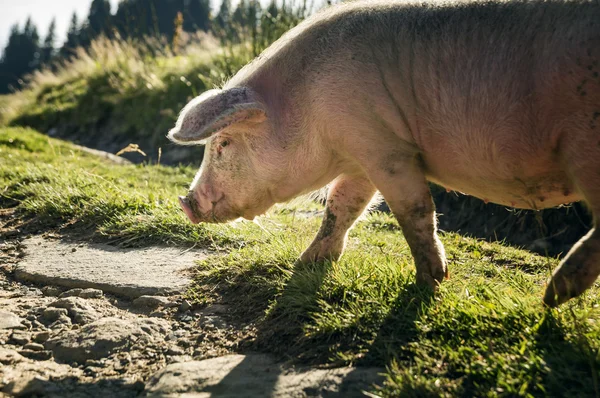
[347, 198]
[580, 268]
[577, 272]
[405, 189]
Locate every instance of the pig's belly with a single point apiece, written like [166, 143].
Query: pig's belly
[538, 191]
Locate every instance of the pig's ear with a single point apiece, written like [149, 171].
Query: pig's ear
[215, 110]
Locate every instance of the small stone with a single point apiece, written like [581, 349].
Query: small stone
[170, 337]
[34, 291]
[37, 355]
[185, 306]
[150, 302]
[8, 357]
[38, 325]
[154, 326]
[175, 351]
[184, 343]
[28, 386]
[179, 358]
[63, 322]
[103, 338]
[186, 318]
[216, 309]
[91, 371]
[91, 293]
[95, 363]
[52, 314]
[181, 333]
[20, 338]
[33, 347]
[51, 291]
[71, 293]
[158, 314]
[31, 317]
[79, 309]
[8, 320]
[213, 322]
[41, 337]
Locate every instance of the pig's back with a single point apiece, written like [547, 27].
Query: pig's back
[493, 91]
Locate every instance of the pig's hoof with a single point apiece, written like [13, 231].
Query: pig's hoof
[425, 279]
[311, 258]
[433, 275]
[558, 291]
[568, 281]
[319, 254]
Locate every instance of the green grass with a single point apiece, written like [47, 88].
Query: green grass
[122, 92]
[484, 333]
[51, 184]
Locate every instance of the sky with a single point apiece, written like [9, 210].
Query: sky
[42, 12]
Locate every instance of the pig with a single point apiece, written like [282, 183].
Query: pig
[497, 99]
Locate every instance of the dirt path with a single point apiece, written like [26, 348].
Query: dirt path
[79, 319]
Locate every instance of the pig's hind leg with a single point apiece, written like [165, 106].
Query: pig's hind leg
[347, 198]
[580, 268]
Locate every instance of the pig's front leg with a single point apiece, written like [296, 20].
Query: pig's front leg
[346, 200]
[405, 189]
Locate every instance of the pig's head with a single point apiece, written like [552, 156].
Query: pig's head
[238, 173]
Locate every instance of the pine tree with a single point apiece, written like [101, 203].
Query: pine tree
[223, 18]
[30, 47]
[8, 73]
[240, 15]
[21, 56]
[73, 38]
[99, 19]
[47, 51]
[197, 16]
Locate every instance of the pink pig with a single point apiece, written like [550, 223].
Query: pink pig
[496, 99]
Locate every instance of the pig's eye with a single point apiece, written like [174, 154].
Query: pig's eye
[224, 143]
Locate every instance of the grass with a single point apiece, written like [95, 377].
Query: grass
[120, 91]
[119, 88]
[484, 333]
[51, 184]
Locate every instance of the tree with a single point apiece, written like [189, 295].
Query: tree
[73, 38]
[21, 56]
[30, 47]
[47, 51]
[240, 15]
[138, 18]
[223, 18]
[8, 73]
[197, 16]
[99, 19]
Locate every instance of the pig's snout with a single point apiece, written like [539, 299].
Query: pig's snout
[184, 202]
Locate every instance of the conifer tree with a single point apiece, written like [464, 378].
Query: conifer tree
[8, 73]
[73, 38]
[197, 16]
[99, 19]
[47, 51]
[223, 18]
[21, 56]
